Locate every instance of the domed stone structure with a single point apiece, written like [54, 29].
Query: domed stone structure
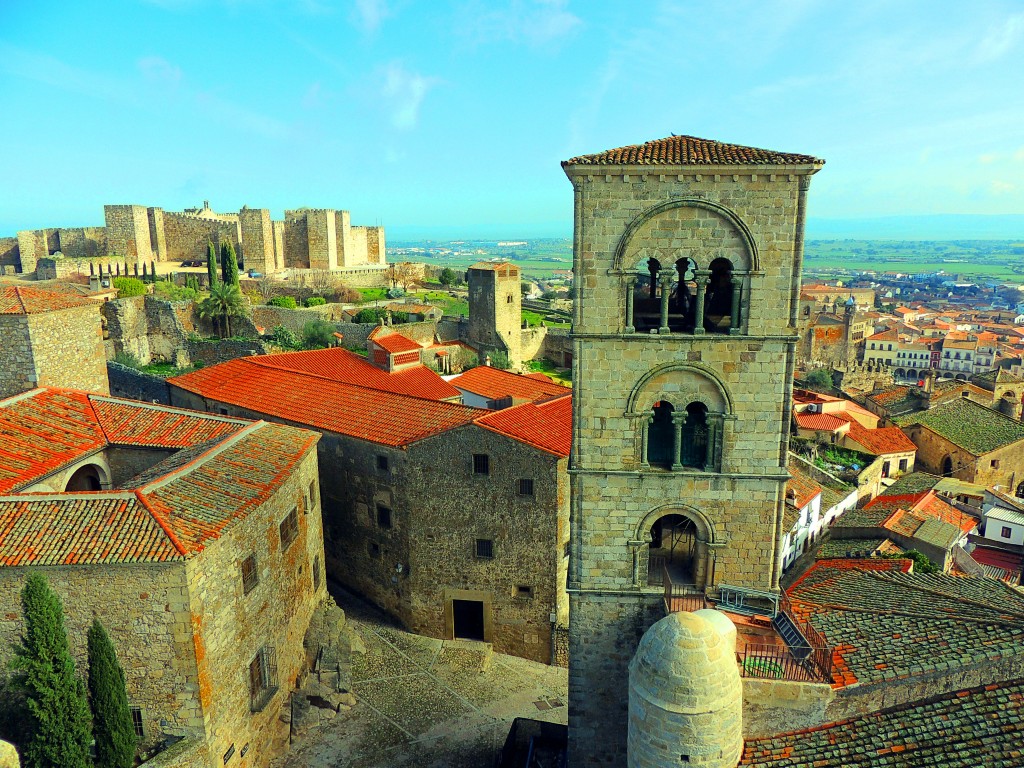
[8, 755]
[685, 694]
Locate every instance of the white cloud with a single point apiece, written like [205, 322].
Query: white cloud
[1001, 39]
[403, 92]
[535, 22]
[1002, 187]
[368, 15]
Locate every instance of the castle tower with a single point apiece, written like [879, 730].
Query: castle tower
[687, 257]
[257, 239]
[685, 694]
[496, 309]
[128, 232]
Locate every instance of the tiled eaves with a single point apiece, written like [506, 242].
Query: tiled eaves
[691, 150]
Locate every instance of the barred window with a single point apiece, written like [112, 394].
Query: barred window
[250, 574]
[262, 678]
[289, 529]
[485, 549]
[137, 723]
[525, 486]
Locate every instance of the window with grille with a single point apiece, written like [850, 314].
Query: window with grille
[137, 724]
[485, 548]
[316, 573]
[289, 529]
[383, 516]
[382, 463]
[525, 486]
[250, 574]
[262, 678]
[481, 464]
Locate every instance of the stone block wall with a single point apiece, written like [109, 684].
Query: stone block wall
[322, 238]
[257, 239]
[17, 367]
[136, 385]
[67, 349]
[149, 624]
[213, 351]
[376, 250]
[10, 256]
[127, 228]
[157, 234]
[31, 248]
[187, 235]
[932, 450]
[81, 242]
[295, 240]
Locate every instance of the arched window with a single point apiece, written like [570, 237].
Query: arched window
[85, 478]
[721, 300]
[686, 439]
[661, 436]
[672, 550]
[947, 466]
[644, 302]
[694, 448]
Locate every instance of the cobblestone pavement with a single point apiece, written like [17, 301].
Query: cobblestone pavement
[427, 703]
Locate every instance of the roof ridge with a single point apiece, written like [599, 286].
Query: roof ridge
[898, 578]
[161, 522]
[96, 418]
[221, 445]
[166, 408]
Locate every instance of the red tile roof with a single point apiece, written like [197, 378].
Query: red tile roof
[546, 425]
[140, 424]
[16, 300]
[882, 440]
[804, 488]
[495, 266]
[887, 335]
[819, 421]
[690, 150]
[379, 416]
[393, 342]
[494, 383]
[340, 365]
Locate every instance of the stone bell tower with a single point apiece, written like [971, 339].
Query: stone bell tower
[687, 258]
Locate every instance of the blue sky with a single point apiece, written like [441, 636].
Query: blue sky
[451, 117]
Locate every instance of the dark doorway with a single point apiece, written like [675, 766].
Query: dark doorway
[672, 549]
[468, 619]
[86, 478]
[947, 467]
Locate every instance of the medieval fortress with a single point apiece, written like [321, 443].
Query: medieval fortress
[307, 238]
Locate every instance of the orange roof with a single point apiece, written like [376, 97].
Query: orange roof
[16, 300]
[546, 425]
[690, 150]
[340, 365]
[494, 383]
[825, 422]
[803, 488]
[494, 266]
[308, 399]
[882, 440]
[926, 504]
[140, 424]
[887, 335]
[392, 342]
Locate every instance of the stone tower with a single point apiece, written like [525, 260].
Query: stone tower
[128, 232]
[685, 694]
[687, 257]
[496, 309]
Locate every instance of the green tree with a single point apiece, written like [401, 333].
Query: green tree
[112, 726]
[229, 263]
[211, 263]
[819, 377]
[285, 302]
[58, 713]
[128, 286]
[317, 334]
[224, 302]
[285, 337]
[448, 276]
[369, 315]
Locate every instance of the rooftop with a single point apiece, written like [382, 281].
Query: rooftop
[494, 383]
[690, 150]
[16, 300]
[545, 425]
[969, 425]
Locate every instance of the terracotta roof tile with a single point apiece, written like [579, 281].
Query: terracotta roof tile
[16, 300]
[546, 425]
[825, 422]
[139, 424]
[690, 150]
[494, 383]
[394, 342]
[969, 425]
[881, 440]
[804, 488]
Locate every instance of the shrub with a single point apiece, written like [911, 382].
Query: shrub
[167, 290]
[128, 286]
[128, 359]
[315, 301]
[286, 338]
[448, 276]
[819, 377]
[346, 295]
[369, 315]
[395, 293]
[285, 302]
[317, 334]
[112, 726]
[499, 359]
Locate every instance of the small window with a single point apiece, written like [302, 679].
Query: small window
[1006, 532]
[137, 724]
[250, 574]
[382, 463]
[313, 500]
[903, 465]
[509, 299]
[995, 463]
[223, 411]
[568, 549]
[485, 549]
[383, 516]
[374, 549]
[525, 486]
[524, 592]
[481, 464]
[316, 573]
[262, 678]
[289, 529]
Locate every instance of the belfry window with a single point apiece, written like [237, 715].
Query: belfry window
[683, 439]
[680, 298]
[661, 436]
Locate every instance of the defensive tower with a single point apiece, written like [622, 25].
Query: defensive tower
[496, 309]
[687, 257]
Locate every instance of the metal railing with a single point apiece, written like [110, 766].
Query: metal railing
[776, 662]
[681, 597]
[821, 652]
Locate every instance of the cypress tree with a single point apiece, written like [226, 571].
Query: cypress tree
[229, 263]
[211, 263]
[58, 712]
[111, 716]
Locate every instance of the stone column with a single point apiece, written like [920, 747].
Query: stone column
[636, 550]
[702, 277]
[630, 286]
[734, 319]
[677, 439]
[644, 426]
[666, 291]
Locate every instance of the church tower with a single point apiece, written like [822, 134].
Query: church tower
[687, 258]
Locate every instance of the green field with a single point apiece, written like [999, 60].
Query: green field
[972, 259]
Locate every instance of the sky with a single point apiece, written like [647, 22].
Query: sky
[450, 118]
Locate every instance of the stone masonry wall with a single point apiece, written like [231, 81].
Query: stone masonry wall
[932, 449]
[187, 236]
[230, 627]
[67, 348]
[31, 248]
[148, 623]
[322, 239]
[257, 239]
[296, 241]
[10, 257]
[127, 229]
[17, 368]
[137, 385]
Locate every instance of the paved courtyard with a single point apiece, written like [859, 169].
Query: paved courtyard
[425, 702]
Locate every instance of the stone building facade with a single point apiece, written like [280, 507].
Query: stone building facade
[496, 309]
[201, 552]
[50, 339]
[305, 239]
[687, 258]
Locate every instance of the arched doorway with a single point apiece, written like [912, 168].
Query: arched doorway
[661, 436]
[947, 466]
[672, 549]
[1020, 491]
[85, 478]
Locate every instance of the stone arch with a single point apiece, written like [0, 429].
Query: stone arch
[750, 260]
[693, 565]
[693, 383]
[88, 477]
[947, 466]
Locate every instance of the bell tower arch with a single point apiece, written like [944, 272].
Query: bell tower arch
[687, 258]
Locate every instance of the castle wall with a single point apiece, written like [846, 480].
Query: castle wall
[31, 248]
[187, 235]
[67, 349]
[257, 239]
[17, 367]
[278, 227]
[322, 238]
[10, 256]
[495, 310]
[376, 249]
[81, 242]
[127, 228]
[356, 247]
[296, 240]
[157, 233]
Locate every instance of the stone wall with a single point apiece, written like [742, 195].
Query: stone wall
[55, 267]
[269, 317]
[136, 385]
[257, 239]
[82, 242]
[17, 368]
[128, 232]
[190, 752]
[149, 624]
[31, 248]
[187, 235]
[375, 245]
[157, 234]
[779, 706]
[213, 351]
[296, 240]
[558, 347]
[147, 328]
[67, 349]
[10, 257]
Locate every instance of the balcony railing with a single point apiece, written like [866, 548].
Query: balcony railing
[681, 597]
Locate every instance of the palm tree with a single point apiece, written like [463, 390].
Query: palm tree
[225, 301]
